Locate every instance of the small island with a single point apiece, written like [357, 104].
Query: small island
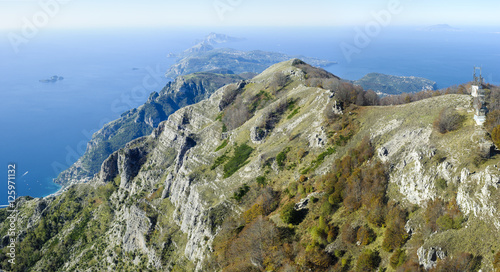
[52, 79]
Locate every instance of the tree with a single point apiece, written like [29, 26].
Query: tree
[368, 261]
[371, 98]
[289, 215]
[495, 136]
[492, 120]
[395, 235]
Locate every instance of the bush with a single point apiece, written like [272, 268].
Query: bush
[397, 258]
[221, 146]
[492, 120]
[365, 235]
[241, 154]
[368, 261]
[395, 235]
[495, 136]
[230, 93]
[496, 261]
[463, 262]
[241, 192]
[448, 120]
[349, 233]
[289, 215]
[323, 233]
[280, 159]
[441, 183]
[261, 180]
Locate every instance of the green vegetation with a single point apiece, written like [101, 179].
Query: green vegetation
[218, 161]
[238, 160]
[281, 157]
[495, 136]
[294, 112]
[241, 192]
[289, 215]
[368, 261]
[441, 183]
[398, 258]
[221, 146]
[261, 180]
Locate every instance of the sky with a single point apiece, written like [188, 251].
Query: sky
[16, 14]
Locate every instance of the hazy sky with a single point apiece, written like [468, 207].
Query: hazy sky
[112, 13]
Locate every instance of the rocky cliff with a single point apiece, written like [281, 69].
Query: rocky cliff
[135, 123]
[264, 175]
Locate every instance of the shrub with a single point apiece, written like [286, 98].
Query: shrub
[441, 183]
[326, 208]
[463, 262]
[236, 114]
[349, 233]
[230, 93]
[365, 235]
[241, 154]
[281, 157]
[218, 161]
[294, 112]
[278, 81]
[440, 216]
[395, 235]
[368, 261]
[324, 233]
[496, 261]
[221, 146]
[301, 153]
[495, 136]
[318, 258]
[492, 120]
[255, 211]
[435, 209]
[397, 258]
[241, 192]
[448, 120]
[261, 180]
[289, 215]
[292, 189]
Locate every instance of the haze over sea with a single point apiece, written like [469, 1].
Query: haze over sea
[45, 126]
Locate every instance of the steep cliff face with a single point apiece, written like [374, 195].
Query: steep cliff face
[166, 201]
[185, 90]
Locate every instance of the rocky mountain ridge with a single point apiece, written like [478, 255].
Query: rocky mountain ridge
[135, 123]
[241, 181]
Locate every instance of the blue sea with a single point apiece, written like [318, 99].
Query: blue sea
[45, 126]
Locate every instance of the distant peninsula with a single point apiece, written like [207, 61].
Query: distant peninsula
[388, 84]
[204, 57]
[440, 28]
[52, 79]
